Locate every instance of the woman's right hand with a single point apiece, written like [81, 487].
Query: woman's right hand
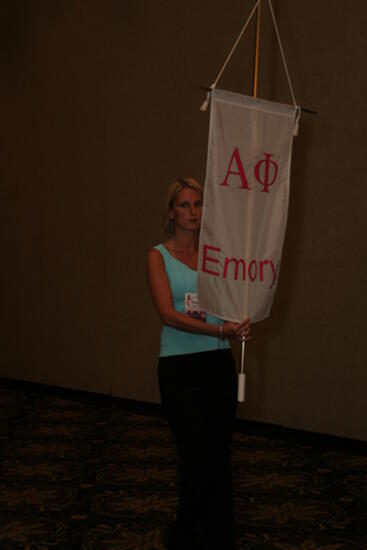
[237, 331]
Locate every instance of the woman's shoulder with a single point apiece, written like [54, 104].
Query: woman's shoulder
[161, 254]
[162, 248]
[156, 249]
[158, 258]
[157, 252]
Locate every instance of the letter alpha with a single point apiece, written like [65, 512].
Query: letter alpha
[207, 258]
[240, 171]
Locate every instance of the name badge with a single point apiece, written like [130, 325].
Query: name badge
[192, 307]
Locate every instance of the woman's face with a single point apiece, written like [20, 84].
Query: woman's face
[186, 210]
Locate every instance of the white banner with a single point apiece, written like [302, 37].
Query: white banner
[245, 205]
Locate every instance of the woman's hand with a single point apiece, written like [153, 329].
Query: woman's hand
[237, 331]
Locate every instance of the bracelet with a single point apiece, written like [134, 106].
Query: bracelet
[221, 332]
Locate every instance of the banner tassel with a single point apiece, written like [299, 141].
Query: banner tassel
[205, 105]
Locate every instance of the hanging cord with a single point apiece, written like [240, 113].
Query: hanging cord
[298, 109]
[214, 85]
[282, 52]
[235, 45]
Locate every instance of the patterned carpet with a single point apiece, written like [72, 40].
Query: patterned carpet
[90, 472]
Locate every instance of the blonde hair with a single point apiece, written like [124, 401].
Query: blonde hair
[173, 191]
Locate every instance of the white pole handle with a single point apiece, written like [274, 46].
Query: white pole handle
[242, 376]
[241, 387]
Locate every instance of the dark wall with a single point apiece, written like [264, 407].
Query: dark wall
[99, 113]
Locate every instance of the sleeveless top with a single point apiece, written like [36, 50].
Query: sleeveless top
[174, 341]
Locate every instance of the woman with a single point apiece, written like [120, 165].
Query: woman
[197, 378]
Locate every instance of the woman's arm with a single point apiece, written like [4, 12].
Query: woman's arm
[160, 290]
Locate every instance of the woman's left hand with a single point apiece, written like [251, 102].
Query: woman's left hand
[239, 331]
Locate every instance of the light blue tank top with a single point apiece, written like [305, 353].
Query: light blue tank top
[178, 342]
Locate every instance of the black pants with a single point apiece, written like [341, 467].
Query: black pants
[198, 393]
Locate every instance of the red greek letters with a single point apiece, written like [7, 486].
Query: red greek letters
[241, 172]
[265, 171]
[268, 164]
